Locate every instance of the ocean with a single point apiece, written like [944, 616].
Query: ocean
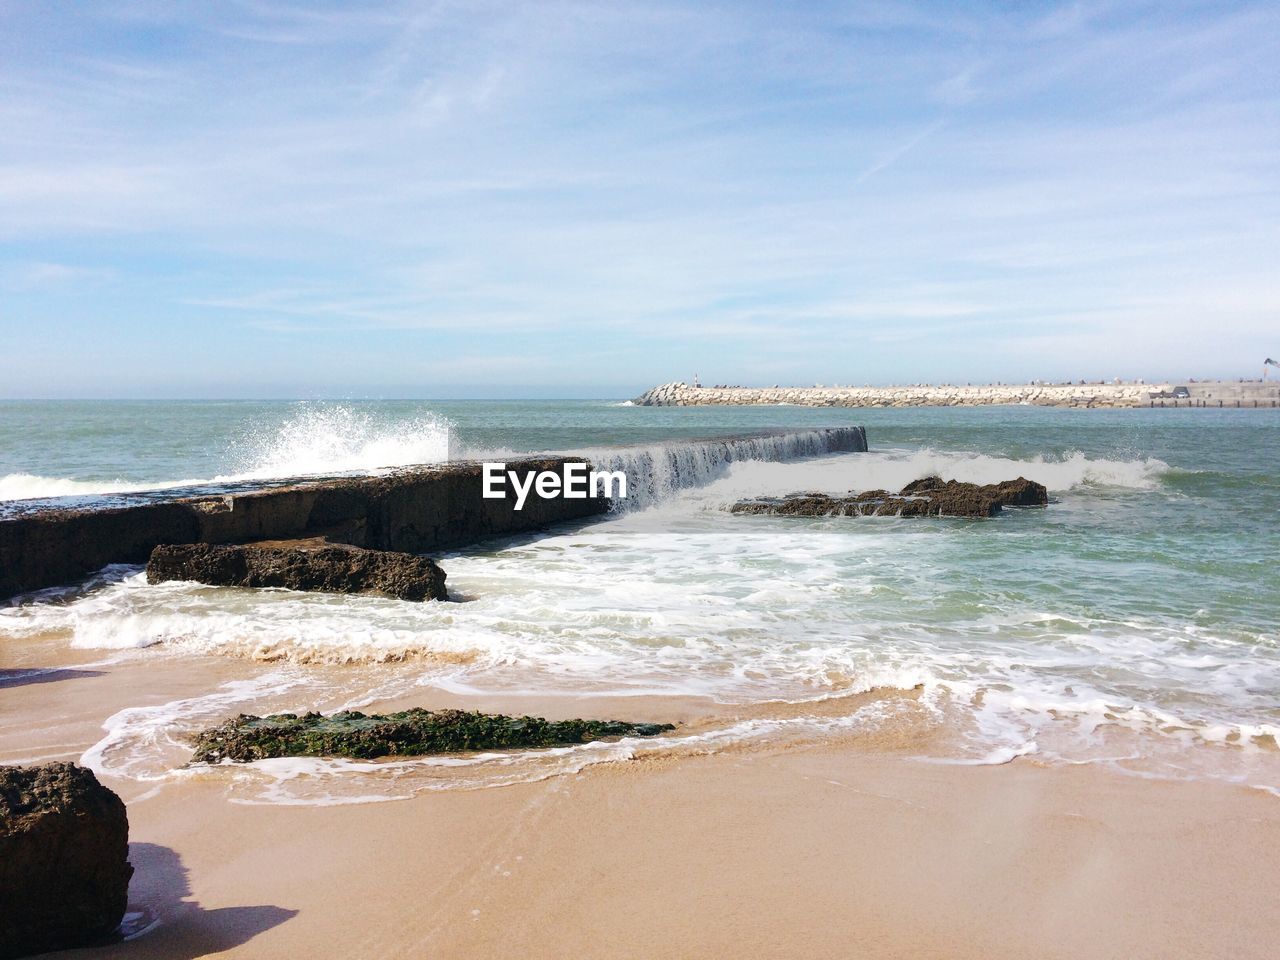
[1134, 622]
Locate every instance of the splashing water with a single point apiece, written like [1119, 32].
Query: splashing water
[312, 439]
[340, 439]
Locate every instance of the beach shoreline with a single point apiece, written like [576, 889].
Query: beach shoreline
[845, 846]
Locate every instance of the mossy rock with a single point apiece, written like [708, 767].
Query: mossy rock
[409, 733]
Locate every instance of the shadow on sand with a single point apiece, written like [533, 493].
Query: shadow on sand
[20, 678]
[162, 920]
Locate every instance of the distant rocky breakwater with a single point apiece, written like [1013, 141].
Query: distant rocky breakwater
[1038, 394]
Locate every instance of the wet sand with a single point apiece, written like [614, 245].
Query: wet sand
[834, 849]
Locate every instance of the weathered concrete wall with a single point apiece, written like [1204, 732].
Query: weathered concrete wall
[925, 395]
[1229, 393]
[416, 511]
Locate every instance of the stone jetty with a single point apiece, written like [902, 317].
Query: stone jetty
[1128, 394]
[427, 509]
[413, 510]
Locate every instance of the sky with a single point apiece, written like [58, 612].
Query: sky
[491, 199]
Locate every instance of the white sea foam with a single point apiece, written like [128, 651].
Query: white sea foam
[894, 469]
[144, 742]
[633, 608]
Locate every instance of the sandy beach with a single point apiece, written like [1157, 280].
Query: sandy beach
[850, 847]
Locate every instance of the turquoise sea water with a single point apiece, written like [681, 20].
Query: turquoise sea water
[1134, 621]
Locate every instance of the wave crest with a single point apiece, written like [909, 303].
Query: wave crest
[340, 439]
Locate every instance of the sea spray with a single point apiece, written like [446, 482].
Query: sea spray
[324, 439]
[312, 439]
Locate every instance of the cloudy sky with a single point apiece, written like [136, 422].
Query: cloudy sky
[584, 199]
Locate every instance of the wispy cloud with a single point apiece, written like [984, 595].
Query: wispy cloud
[653, 186]
[41, 276]
[897, 153]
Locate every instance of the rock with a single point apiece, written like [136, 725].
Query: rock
[301, 565]
[64, 869]
[409, 733]
[1008, 493]
[927, 497]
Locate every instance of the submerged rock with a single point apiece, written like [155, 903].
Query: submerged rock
[301, 565]
[927, 497]
[408, 733]
[64, 869]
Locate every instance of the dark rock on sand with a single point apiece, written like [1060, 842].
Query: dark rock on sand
[64, 869]
[301, 565]
[927, 497]
[406, 734]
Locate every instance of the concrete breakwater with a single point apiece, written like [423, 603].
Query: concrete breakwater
[414, 510]
[1052, 395]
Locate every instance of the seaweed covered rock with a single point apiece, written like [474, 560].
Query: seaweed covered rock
[301, 565]
[408, 733]
[927, 497]
[64, 869]
[1008, 493]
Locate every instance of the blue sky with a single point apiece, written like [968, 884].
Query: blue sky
[585, 199]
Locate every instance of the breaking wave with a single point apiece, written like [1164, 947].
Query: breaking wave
[315, 440]
[322, 440]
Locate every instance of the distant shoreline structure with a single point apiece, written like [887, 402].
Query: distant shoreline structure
[1116, 394]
